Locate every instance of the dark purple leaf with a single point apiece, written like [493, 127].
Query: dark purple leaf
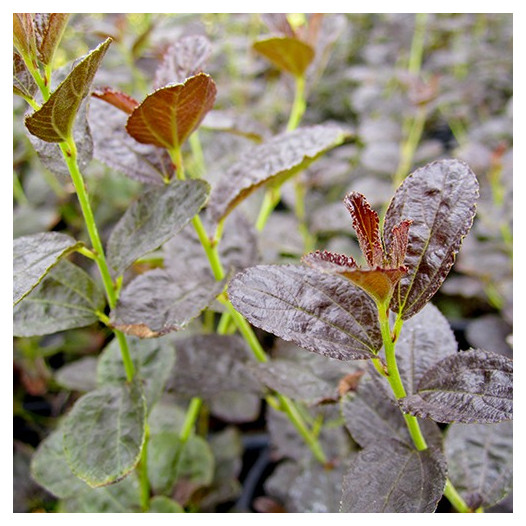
[470, 386]
[440, 200]
[54, 121]
[371, 415]
[322, 313]
[33, 257]
[158, 302]
[392, 477]
[184, 59]
[115, 148]
[153, 219]
[271, 161]
[424, 340]
[480, 461]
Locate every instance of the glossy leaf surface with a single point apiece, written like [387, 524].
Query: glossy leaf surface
[440, 200]
[154, 218]
[321, 313]
[158, 302]
[185, 58]
[470, 386]
[112, 421]
[34, 256]
[168, 116]
[114, 147]
[153, 361]
[480, 461]
[274, 160]
[54, 121]
[392, 477]
[287, 54]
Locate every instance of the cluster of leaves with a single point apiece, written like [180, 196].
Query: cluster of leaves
[167, 290]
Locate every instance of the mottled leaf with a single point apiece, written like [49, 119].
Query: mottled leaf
[440, 200]
[158, 302]
[392, 477]
[49, 28]
[274, 160]
[34, 256]
[155, 217]
[54, 121]
[104, 433]
[186, 58]
[162, 504]
[114, 147]
[209, 364]
[50, 469]
[424, 340]
[371, 415]
[153, 361]
[287, 54]
[168, 116]
[480, 461]
[470, 386]
[322, 313]
[23, 83]
[67, 298]
[170, 460]
[78, 375]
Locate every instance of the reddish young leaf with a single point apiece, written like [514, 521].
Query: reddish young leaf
[168, 116]
[365, 221]
[49, 28]
[288, 54]
[24, 35]
[398, 246]
[116, 98]
[329, 261]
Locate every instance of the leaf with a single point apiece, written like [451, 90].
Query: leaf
[116, 98]
[24, 35]
[236, 407]
[186, 58]
[470, 386]
[158, 302]
[372, 415]
[168, 116]
[153, 219]
[115, 148]
[111, 420]
[153, 361]
[319, 312]
[54, 121]
[287, 54]
[78, 375]
[424, 340]
[235, 123]
[391, 477]
[34, 256]
[170, 460]
[67, 298]
[440, 200]
[273, 161]
[50, 469]
[162, 504]
[23, 83]
[210, 364]
[480, 461]
[49, 28]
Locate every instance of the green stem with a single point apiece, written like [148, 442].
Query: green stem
[197, 151]
[142, 469]
[18, 190]
[417, 44]
[299, 105]
[395, 381]
[192, 413]
[69, 151]
[270, 201]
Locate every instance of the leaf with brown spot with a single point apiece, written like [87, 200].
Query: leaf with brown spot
[287, 54]
[168, 116]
